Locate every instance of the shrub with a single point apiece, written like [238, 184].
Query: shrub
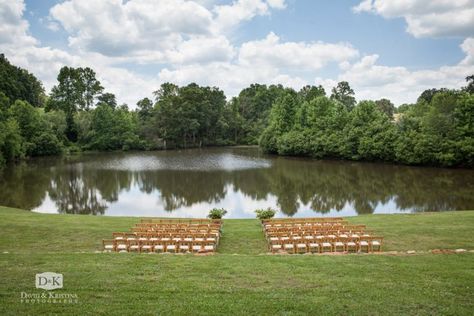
[265, 213]
[217, 213]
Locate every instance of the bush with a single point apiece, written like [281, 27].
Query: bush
[265, 214]
[46, 144]
[217, 213]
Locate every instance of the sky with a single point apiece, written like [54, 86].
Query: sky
[391, 49]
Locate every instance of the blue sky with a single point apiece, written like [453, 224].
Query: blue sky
[384, 48]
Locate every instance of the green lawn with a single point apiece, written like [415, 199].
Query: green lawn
[241, 279]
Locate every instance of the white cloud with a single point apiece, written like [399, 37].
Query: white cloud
[229, 16]
[151, 31]
[227, 76]
[114, 27]
[427, 18]
[13, 29]
[277, 4]
[202, 49]
[297, 55]
[468, 47]
[50, 24]
[105, 35]
[22, 49]
[266, 61]
[231, 78]
[45, 62]
[373, 81]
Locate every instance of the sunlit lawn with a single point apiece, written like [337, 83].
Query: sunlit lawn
[241, 279]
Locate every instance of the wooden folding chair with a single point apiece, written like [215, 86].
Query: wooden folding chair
[121, 245]
[184, 246]
[313, 246]
[326, 243]
[142, 236]
[339, 243]
[171, 246]
[301, 245]
[376, 241]
[159, 246]
[146, 246]
[364, 243]
[133, 245]
[108, 245]
[352, 243]
[119, 235]
[275, 245]
[209, 246]
[288, 245]
[197, 246]
[130, 236]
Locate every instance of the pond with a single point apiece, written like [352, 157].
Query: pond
[187, 183]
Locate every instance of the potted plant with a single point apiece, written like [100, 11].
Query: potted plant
[216, 213]
[263, 214]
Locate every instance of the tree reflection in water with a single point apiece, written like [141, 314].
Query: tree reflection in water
[89, 184]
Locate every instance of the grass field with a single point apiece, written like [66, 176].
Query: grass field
[241, 279]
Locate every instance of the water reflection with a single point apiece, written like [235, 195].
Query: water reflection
[188, 183]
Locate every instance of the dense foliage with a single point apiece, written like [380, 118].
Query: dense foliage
[28, 131]
[437, 130]
[18, 84]
[79, 115]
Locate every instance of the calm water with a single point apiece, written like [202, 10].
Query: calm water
[188, 183]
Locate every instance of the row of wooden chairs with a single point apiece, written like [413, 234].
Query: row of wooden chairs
[167, 235]
[158, 246]
[302, 224]
[324, 245]
[341, 228]
[181, 220]
[176, 230]
[319, 235]
[302, 220]
[178, 225]
[330, 234]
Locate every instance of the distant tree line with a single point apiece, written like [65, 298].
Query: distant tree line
[80, 115]
[437, 130]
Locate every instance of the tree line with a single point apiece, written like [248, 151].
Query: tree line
[79, 115]
[437, 130]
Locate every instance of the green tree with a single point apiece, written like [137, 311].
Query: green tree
[386, 106]
[470, 84]
[144, 108]
[254, 105]
[90, 87]
[76, 90]
[107, 99]
[282, 120]
[307, 93]
[464, 125]
[38, 136]
[190, 116]
[369, 134]
[18, 84]
[344, 94]
[10, 141]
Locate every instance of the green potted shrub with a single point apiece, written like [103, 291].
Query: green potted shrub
[216, 213]
[263, 214]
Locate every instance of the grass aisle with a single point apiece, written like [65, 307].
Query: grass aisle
[245, 284]
[242, 236]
